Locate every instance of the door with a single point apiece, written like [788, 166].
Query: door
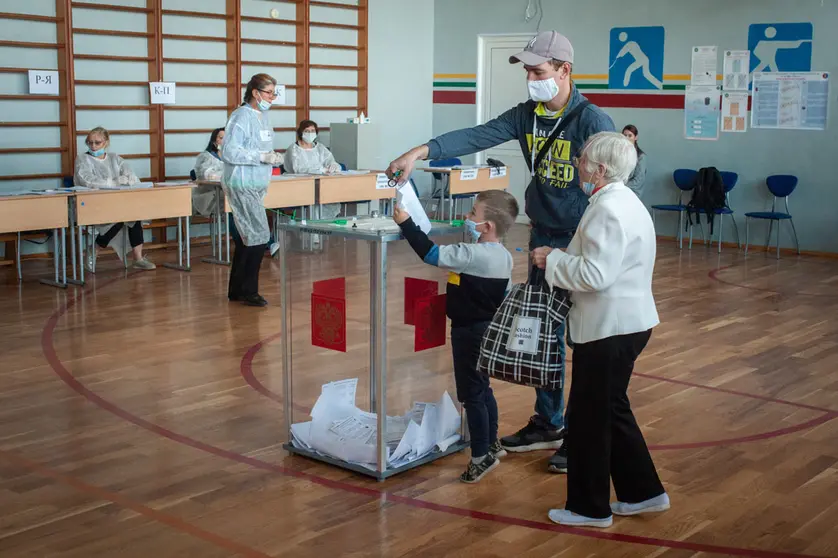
[501, 86]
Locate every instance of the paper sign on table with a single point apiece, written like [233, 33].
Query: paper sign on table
[382, 181]
[431, 322]
[414, 289]
[407, 200]
[334, 288]
[328, 322]
[468, 174]
[497, 172]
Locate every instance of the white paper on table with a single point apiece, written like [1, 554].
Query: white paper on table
[468, 174]
[407, 200]
[704, 65]
[184, 183]
[497, 172]
[382, 181]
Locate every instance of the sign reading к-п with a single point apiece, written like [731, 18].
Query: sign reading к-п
[162, 92]
[636, 58]
[43, 82]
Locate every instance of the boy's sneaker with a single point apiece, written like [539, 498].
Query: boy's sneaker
[558, 463]
[497, 450]
[476, 471]
[534, 436]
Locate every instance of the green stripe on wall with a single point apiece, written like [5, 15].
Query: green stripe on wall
[455, 84]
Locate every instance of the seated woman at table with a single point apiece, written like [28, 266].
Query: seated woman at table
[96, 169]
[208, 166]
[308, 156]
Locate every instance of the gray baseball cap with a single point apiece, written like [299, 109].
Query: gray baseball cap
[546, 46]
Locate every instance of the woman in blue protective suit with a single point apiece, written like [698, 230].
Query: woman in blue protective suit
[248, 157]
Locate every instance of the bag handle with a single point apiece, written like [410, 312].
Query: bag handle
[566, 121]
[537, 277]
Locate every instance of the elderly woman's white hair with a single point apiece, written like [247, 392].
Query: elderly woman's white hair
[614, 152]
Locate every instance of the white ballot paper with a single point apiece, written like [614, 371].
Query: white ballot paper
[339, 429]
[407, 200]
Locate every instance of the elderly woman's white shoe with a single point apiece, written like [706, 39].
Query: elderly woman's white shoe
[566, 517]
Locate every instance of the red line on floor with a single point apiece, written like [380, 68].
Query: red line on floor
[251, 379]
[73, 383]
[102, 494]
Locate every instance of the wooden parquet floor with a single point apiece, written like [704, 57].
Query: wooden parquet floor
[142, 417]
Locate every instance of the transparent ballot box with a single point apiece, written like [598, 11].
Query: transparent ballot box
[368, 381]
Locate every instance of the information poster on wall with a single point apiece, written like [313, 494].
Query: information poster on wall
[705, 66]
[734, 112]
[736, 66]
[701, 113]
[790, 100]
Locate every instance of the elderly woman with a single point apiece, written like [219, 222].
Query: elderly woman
[97, 168]
[608, 270]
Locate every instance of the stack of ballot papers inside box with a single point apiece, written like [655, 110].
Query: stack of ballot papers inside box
[341, 430]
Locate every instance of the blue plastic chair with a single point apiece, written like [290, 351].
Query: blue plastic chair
[781, 186]
[685, 181]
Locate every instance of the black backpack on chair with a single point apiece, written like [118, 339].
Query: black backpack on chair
[708, 196]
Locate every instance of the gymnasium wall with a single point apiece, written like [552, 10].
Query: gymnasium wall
[113, 58]
[754, 155]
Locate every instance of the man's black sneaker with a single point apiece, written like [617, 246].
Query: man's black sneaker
[497, 450]
[476, 471]
[558, 463]
[534, 436]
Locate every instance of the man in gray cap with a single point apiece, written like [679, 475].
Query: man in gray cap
[554, 200]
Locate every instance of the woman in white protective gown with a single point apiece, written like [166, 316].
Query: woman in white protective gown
[208, 167]
[97, 168]
[248, 157]
[308, 156]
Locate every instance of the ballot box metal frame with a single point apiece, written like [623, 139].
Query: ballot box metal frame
[378, 241]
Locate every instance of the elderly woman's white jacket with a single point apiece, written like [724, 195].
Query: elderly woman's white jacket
[608, 267]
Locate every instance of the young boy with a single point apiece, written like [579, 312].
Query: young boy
[479, 278]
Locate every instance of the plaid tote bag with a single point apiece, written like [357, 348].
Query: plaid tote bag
[522, 344]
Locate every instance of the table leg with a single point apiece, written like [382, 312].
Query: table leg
[17, 258]
[216, 228]
[73, 255]
[64, 256]
[58, 254]
[180, 266]
[188, 244]
[81, 255]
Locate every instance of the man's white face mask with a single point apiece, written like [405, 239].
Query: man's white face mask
[544, 90]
